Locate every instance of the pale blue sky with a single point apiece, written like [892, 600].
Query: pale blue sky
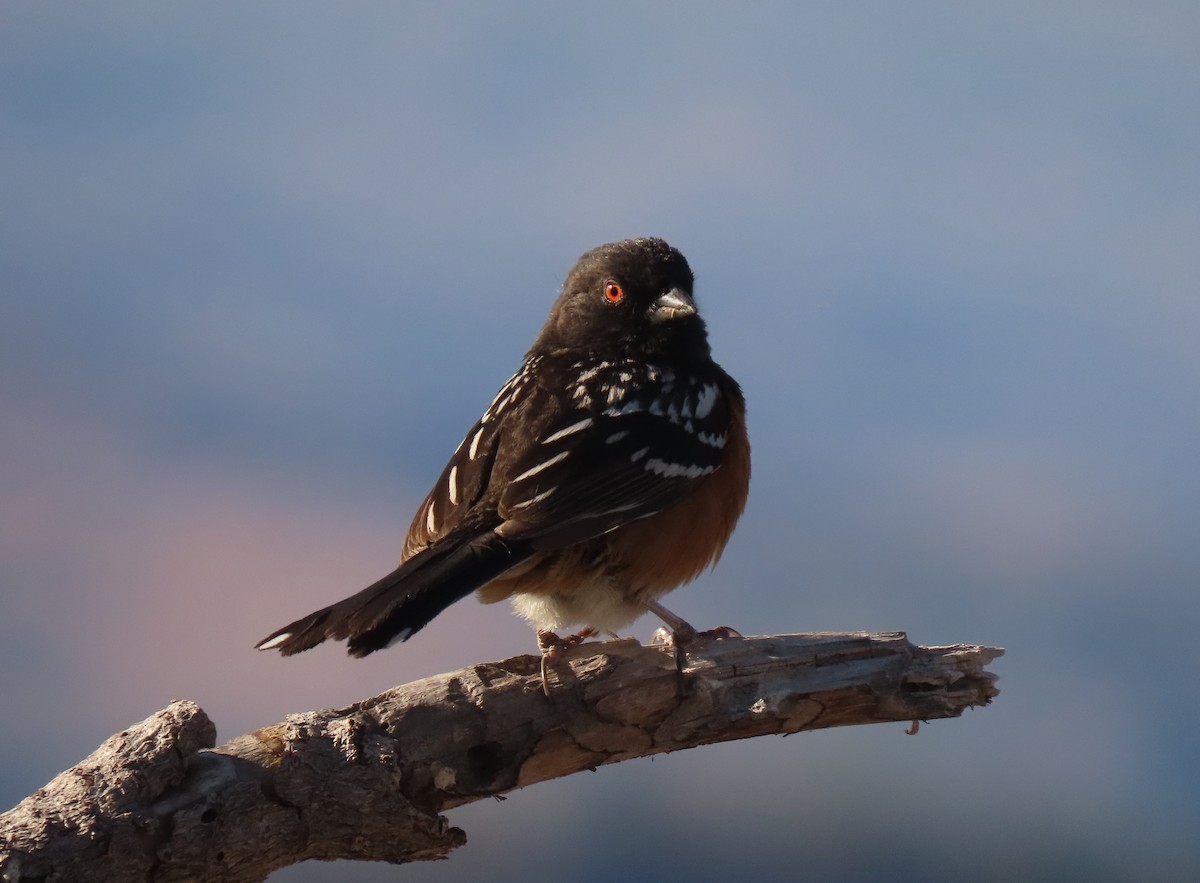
[262, 265]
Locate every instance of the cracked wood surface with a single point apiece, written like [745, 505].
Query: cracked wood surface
[157, 802]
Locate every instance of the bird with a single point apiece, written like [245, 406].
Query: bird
[612, 467]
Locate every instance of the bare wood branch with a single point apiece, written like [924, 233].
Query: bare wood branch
[158, 802]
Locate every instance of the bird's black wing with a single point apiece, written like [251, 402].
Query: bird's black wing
[640, 437]
[464, 481]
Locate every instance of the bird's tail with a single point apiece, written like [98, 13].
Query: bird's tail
[403, 602]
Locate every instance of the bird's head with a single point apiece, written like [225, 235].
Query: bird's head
[628, 297]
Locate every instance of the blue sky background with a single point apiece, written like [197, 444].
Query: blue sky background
[262, 265]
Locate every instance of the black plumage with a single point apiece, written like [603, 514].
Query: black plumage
[579, 473]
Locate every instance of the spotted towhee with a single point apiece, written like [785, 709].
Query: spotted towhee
[611, 468]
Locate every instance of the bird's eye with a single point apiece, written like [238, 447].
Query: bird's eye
[613, 293]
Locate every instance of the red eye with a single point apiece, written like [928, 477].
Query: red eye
[613, 293]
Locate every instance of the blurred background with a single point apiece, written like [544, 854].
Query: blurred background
[261, 266]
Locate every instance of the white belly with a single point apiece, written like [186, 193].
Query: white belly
[602, 607]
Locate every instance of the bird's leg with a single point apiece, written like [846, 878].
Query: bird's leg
[681, 632]
[552, 647]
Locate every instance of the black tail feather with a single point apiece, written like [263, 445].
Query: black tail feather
[400, 604]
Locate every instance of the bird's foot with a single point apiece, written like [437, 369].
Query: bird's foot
[681, 634]
[663, 636]
[552, 646]
[721, 632]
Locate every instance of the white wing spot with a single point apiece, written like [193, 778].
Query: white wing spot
[510, 391]
[403, 635]
[585, 376]
[497, 408]
[431, 520]
[706, 400]
[568, 430]
[662, 376]
[713, 441]
[453, 484]
[615, 394]
[638, 454]
[633, 406]
[474, 449]
[535, 499]
[497, 404]
[545, 464]
[616, 437]
[675, 470]
[274, 642]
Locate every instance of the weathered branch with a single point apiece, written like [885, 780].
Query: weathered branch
[157, 802]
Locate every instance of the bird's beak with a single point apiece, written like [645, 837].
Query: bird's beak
[674, 304]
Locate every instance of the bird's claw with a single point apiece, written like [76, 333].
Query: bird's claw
[552, 646]
[681, 637]
[722, 632]
[663, 636]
